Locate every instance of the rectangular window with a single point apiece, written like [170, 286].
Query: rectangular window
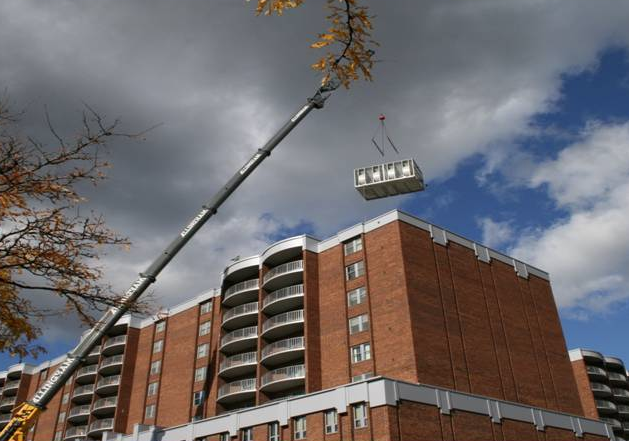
[205, 327]
[274, 431]
[62, 418]
[43, 374]
[300, 427]
[246, 434]
[65, 398]
[361, 377]
[331, 421]
[197, 397]
[202, 350]
[160, 326]
[353, 245]
[199, 373]
[155, 367]
[58, 435]
[206, 307]
[358, 324]
[149, 411]
[360, 415]
[354, 270]
[158, 346]
[152, 389]
[361, 352]
[356, 296]
[224, 437]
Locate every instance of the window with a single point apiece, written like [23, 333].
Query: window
[43, 374]
[155, 367]
[202, 350]
[205, 327]
[246, 434]
[158, 346]
[356, 296]
[160, 326]
[149, 412]
[361, 352]
[354, 270]
[223, 437]
[353, 245]
[62, 417]
[274, 431]
[206, 307]
[300, 427]
[361, 377]
[152, 389]
[360, 415]
[199, 373]
[65, 398]
[331, 421]
[358, 324]
[58, 435]
[197, 398]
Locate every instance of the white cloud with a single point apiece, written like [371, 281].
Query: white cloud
[495, 234]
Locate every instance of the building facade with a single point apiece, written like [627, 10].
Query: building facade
[389, 302]
[603, 386]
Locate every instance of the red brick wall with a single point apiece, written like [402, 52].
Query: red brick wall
[137, 395]
[585, 392]
[126, 380]
[312, 329]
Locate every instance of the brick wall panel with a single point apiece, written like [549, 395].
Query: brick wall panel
[586, 397]
[140, 375]
[471, 427]
[312, 331]
[419, 422]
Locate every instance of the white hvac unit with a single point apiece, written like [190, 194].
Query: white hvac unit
[388, 179]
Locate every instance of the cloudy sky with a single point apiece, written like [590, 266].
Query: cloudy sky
[517, 112]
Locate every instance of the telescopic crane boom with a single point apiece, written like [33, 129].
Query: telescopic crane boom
[26, 413]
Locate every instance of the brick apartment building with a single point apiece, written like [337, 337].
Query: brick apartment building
[603, 387]
[393, 329]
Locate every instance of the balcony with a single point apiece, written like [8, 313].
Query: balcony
[617, 379]
[621, 394]
[111, 365]
[605, 407]
[596, 373]
[241, 316]
[8, 403]
[623, 410]
[105, 406]
[616, 425]
[79, 413]
[100, 426]
[5, 418]
[83, 394]
[240, 340]
[283, 325]
[613, 363]
[238, 365]
[283, 351]
[114, 345]
[11, 387]
[242, 292]
[237, 391]
[108, 385]
[286, 274]
[94, 355]
[592, 356]
[283, 378]
[284, 299]
[76, 432]
[87, 374]
[600, 389]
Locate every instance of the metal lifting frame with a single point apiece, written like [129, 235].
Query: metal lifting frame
[26, 413]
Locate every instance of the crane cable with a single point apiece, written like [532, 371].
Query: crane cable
[382, 130]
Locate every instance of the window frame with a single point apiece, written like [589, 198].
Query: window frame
[360, 294]
[352, 246]
[274, 427]
[300, 429]
[361, 326]
[246, 434]
[361, 377]
[354, 270]
[205, 328]
[203, 350]
[334, 427]
[360, 423]
[150, 411]
[198, 400]
[158, 346]
[156, 367]
[205, 307]
[197, 376]
[152, 388]
[364, 353]
[160, 326]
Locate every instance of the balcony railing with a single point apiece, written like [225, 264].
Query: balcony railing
[247, 285]
[247, 308]
[11, 385]
[624, 393]
[87, 370]
[79, 410]
[612, 422]
[8, 402]
[108, 381]
[289, 344]
[289, 291]
[297, 265]
[95, 351]
[285, 373]
[283, 319]
[614, 376]
[595, 370]
[238, 360]
[109, 361]
[623, 409]
[119, 340]
[105, 402]
[105, 424]
[246, 385]
[75, 431]
[600, 387]
[240, 334]
[604, 404]
[5, 418]
[83, 390]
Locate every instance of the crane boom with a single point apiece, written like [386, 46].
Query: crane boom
[27, 412]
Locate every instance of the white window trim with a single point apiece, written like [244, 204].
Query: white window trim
[361, 324]
[334, 427]
[360, 294]
[363, 353]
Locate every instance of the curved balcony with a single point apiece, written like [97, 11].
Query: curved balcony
[11, 387]
[87, 374]
[108, 385]
[104, 406]
[76, 432]
[8, 403]
[83, 394]
[592, 356]
[114, 345]
[289, 273]
[616, 425]
[600, 389]
[617, 379]
[5, 418]
[596, 373]
[242, 269]
[79, 413]
[241, 316]
[242, 292]
[240, 340]
[605, 407]
[614, 363]
[284, 324]
[94, 355]
[239, 364]
[283, 378]
[283, 351]
[284, 299]
[14, 372]
[237, 391]
[100, 426]
[621, 394]
[623, 410]
[111, 365]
